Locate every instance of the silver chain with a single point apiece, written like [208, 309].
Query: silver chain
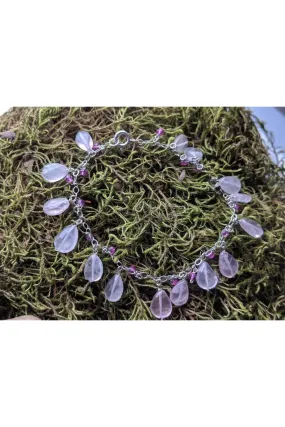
[122, 138]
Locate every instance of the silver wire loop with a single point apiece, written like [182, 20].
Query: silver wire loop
[121, 138]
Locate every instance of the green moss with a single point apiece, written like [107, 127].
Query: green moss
[139, 205]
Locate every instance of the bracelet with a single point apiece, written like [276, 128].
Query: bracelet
[200, 270]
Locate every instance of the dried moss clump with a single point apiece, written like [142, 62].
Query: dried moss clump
[141, 204]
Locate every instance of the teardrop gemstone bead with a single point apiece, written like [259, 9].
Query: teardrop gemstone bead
[181, 143]
[230, 184]
[54, 172]
[241, 198]
[206, 277]
[179, 293]
[8, 135]
[93, 269]
[228, 265]
[56, 206]
[161, 306]
[84, 140]
[192, 152]
[67, 239]
[251, 227]
[114, 288]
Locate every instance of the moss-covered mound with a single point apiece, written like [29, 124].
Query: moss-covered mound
[157, 214]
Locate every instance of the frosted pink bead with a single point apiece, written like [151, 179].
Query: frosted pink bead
[114, 288]
[180, 293]
[67, 239]
[228, 265]
[56, 206]
[193, 153]
[54, 172]
[251, 227]
[230, 184]
[8, 135]
[206, 277]
[241, 198]
[181, 143]
[84, 140]
[161, 306]
[93, 269]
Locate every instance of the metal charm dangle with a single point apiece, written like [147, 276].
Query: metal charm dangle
[200, 270]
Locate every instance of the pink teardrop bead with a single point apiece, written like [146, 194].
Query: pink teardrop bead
[180, 293]
[228, 265]
[161, 306]
[251, 227]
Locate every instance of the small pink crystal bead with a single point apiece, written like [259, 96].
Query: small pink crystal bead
[112, 250]
[174, 282]
[96, 146]
[89, 237]
[160, 132]
[68, 179]
[211, 255]
[84, 172]
[183, 163]
[132, 269]
[192, 276]
[81, 203]
[237, 207]
[225, 233]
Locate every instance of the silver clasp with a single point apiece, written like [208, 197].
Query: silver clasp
[121, 138]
